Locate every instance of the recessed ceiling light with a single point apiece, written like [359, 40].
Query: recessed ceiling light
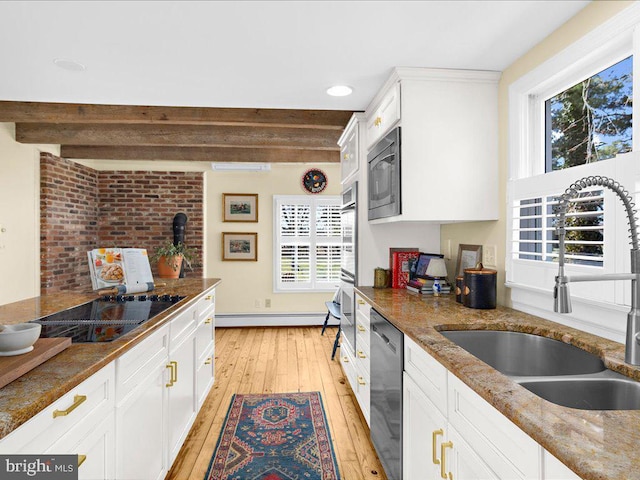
[339, 91]
[70, 65]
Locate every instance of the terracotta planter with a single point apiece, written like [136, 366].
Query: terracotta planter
[169, 268]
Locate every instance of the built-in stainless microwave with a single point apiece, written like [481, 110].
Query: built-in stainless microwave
[384, 177]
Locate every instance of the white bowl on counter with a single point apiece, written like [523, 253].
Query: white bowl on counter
[18, 339]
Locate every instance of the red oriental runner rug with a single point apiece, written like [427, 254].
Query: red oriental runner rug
[281, 436]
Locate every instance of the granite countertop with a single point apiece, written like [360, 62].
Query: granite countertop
[594, 444]
[26, 396]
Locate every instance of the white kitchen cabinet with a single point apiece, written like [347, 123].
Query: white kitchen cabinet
[349, 143]
[449, 142]
[81, 422]
[467, 437]
[141, 412]
[356, 366]
[205, 346]
[384, 114]
[420, 419]
[181, 400]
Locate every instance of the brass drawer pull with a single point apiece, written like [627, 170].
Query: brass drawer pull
[207, 361]
[345, 359]
[360, 302]
[361, 354]
[443, 467]
[378, 121]
[173, 366]
[208, 321]
[77, 400]
[434, 438]
[81, 459]
[361, 380]
[209, 297]
[361, 328]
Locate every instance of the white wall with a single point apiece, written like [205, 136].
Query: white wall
[19, 216]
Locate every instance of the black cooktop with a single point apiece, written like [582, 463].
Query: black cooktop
[106, 318]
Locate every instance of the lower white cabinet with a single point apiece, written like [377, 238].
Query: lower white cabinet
[141, 414]
[181, 400]
[465, 437]
[79, 423]
[356, 364]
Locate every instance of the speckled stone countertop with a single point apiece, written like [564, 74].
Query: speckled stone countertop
[594, 444]
[26, 396]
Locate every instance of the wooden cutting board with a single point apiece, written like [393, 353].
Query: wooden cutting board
[17, 365]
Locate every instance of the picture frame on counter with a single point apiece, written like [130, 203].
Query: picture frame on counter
[240, 207]
[240, 246]
[468, 257]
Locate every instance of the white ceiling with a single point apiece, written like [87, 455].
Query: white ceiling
[267, 54]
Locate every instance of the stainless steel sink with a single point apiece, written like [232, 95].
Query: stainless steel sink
[597, 393]
[555, 371]
[523, 354]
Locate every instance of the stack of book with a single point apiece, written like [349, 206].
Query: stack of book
[424, 286]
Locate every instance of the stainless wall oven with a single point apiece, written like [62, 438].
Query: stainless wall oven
[384, 177]
[348, 270]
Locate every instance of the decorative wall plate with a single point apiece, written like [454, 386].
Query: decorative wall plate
[314, 181]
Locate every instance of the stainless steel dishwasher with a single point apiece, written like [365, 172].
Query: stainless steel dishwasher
[387, 354]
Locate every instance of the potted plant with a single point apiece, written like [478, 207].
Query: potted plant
[170, 257]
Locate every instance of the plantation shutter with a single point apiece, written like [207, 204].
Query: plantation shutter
[307, 242]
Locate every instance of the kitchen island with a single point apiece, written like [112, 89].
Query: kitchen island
[594, 444]
[26, 396]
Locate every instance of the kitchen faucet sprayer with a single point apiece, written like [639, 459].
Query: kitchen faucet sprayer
[562, 300]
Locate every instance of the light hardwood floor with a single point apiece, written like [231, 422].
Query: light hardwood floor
[268, 360]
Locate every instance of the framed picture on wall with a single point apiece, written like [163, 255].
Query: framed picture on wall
[240, 246]
[468, 257]
[240, 207]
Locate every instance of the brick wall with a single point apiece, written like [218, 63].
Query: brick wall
[136, 209]
[68, 223]
[82, 208]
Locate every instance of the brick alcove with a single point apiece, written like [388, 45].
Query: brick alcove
[82, 208]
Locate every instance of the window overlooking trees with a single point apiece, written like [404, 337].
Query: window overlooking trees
[592, 120]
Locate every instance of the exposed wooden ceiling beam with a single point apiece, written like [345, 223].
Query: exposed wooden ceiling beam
[177, 135]
[35, 112]
[199, 154]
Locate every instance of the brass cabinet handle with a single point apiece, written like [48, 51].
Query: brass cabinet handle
[346, 156]
[360, 302]
[443, 468]
[207, 361]
[208, 321]
[173, 366]
[209, 297]
[378, 121]
[345, 359]
[361, 380]
[81, 459]
[361, 354]
[77, 400]
[433, 445]
[361, 328]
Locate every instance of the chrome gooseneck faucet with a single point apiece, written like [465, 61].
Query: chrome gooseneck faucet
[562, 300]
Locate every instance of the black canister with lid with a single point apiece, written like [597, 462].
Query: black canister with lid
[479, 289]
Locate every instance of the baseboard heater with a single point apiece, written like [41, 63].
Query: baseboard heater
[272, 319]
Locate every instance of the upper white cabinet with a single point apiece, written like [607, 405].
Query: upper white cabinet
[384, 114]
[350, 151]
[449, 142]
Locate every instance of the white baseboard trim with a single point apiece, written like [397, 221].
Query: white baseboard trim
[273, 319]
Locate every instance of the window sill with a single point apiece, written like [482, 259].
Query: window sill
[607, 320]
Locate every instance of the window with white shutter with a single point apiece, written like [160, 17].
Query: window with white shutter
[307, 238]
